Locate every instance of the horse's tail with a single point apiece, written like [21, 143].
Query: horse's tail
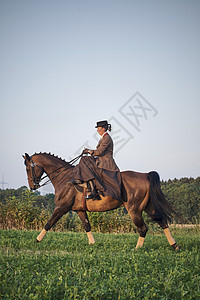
[162, 208]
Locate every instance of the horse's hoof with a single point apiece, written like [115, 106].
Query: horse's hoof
[36, 241]
[176, 247]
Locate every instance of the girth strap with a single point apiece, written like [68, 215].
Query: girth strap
[84, 199]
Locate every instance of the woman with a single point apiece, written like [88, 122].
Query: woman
[100, 170]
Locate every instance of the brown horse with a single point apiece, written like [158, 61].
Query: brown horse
[140, 192]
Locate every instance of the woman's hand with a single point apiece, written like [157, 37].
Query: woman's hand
[87, 151]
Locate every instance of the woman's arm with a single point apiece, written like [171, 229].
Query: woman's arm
[105, 143]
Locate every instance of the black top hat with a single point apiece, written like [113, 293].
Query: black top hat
[102, 124]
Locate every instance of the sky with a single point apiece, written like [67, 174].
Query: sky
[67, 64]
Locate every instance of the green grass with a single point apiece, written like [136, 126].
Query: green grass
[64, 266]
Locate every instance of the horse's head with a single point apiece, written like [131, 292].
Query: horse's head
[34, 172]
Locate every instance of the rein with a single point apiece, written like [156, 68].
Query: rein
[37, 180]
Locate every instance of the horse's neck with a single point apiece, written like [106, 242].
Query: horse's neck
[51, 164]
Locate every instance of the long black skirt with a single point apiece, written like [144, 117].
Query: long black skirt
[107, 182]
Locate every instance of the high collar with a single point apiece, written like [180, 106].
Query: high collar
[104, 134]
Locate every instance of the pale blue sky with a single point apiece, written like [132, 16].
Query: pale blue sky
[67, 64]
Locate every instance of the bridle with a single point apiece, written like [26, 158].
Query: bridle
[36, 180]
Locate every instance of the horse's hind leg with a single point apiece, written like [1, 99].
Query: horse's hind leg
[86, 224]
[57, 214]
[139, 223]
[171, 240]
[164, 225]
[141, 228]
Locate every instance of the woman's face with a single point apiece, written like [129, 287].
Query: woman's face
[101, 130]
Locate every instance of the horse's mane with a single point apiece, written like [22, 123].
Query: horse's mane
[54, 157]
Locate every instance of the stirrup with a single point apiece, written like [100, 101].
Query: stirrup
[92, 195]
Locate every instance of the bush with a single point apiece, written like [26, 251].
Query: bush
[24, 209]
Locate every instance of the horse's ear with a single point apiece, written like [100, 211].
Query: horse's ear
[27, 157]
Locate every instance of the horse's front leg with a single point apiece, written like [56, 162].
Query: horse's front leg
[57, 214]
[86, 224]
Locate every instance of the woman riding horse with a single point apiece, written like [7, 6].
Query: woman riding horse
[100, 170]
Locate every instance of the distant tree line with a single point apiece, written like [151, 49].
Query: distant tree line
[25, 209]
[184, 194]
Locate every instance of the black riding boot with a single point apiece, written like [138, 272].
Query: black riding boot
[93, 193]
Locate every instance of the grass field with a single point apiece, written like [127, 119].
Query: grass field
[64, 266]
